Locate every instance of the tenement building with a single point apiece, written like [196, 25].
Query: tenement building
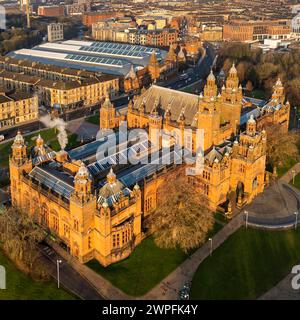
[249, 31]
[54, 89]
[55, 32]
[97, 204]
[17, 107]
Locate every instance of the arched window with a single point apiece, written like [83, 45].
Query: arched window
[89, 242]
[254, 183]
[54, 221]
[44, 215]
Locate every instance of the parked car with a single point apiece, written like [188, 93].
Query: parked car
[2, 137]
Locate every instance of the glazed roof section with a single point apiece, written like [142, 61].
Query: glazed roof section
[53, 180]
[257, 108]
[106, 57]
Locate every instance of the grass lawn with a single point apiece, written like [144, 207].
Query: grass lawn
[248, 264]
[257, 94]
[145, 267]
[297, 181]
[21, 287]
[94, 119]
[220, 217]
[49, 136]
[282, 170]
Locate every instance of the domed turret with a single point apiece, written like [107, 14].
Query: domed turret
[39, 141]
[211, 77]
[181, 55]
[278, 92]
[251, 126]
[233, 70]
[210, 89]
[19, 140]
[107, 103]
[111, 177]
[83, 173]
[131, 74]
[19, 149]
[83, 184]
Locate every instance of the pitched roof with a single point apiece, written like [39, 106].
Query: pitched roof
[177, 102]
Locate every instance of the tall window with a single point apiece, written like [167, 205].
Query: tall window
[148, 204]
[76, 225]
[66, 231]
[55, 224]
[44, 215]
[89, 242]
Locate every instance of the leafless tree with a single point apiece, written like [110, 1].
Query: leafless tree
[182, 218]
[282, 148]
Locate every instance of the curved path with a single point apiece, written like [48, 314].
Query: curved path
[275, 208]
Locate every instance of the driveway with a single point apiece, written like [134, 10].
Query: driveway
[69, 278]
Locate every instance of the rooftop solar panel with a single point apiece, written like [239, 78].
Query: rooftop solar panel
[96, 60]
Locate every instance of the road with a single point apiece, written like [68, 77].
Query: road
[72, 115]
[198, 73]
[69, 278]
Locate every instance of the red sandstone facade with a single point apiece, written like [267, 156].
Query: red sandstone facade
[92, 17]
[51, 11]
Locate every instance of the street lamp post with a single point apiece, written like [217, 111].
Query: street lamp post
[296, 221]
[247, 216]
[294, 173]
[210, 251]
[58, 262]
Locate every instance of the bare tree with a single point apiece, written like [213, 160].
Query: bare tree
[182, 218]
[282, 148]
[19, 236]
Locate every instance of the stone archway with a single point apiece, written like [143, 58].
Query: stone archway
[254, 183]
[240, 189]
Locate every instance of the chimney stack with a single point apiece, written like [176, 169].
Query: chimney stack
[62, 156]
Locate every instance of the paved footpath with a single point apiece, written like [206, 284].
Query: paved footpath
[104, 287]
[167, 288]
[283, 290]
[288, 176]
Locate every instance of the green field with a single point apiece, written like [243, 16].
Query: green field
[247, 265]
[145, 267]
[94, 119]
[283, 169]
[49, 136]
[257, 94]
[297, 181]
[21, 287]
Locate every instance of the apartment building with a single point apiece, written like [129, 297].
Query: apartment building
[66, 95]
[92, 17]
[46, 71]
[17, 107]
[55, 32]
[51, 11]
[163, 37]
[249, 31]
